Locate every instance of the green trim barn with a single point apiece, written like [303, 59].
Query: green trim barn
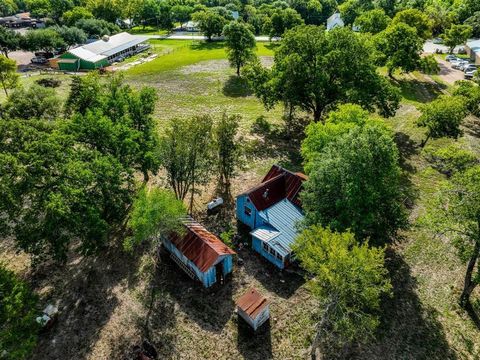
[102, 53]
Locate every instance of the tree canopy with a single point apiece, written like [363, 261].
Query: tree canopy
[326, 75]
[240, 43]
[354, 181]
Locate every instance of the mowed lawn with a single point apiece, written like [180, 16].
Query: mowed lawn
[421, 321]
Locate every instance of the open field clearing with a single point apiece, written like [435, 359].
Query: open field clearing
[104, 300]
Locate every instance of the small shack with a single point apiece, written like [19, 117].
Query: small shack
[201, 254]
[254, 308]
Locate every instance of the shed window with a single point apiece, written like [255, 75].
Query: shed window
[265, 246]
[279, 257]
[248, 211]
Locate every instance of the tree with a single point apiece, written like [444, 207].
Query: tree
[354, 183]
[36, 102]
[456, 212]
[373, 21]
[19, 330]
[474, 22]
[415, 19]
[470, 94]
[73, 180]
[428, 65]
[441, 16]
[155, 213]
[39, 8]
[210, 23]
[8, 73]
[228, 149]
[71, 35]
[240, 44]
[456, 35]
[9, 41]
[281, 21]
[442, 117]
[186, 154]
[310, 11]
[317, 80]
[349, 280]
[108, 10]
[47, 40]
[8, 7]
[71, 17]
[338, 122]
[401, 48]
[95, 28]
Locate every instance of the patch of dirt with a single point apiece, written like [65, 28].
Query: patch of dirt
[217, 66]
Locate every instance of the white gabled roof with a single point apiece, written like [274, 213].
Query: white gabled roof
[474, 45]
[86, 55]
[101, 49]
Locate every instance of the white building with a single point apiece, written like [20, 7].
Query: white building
[335, 21]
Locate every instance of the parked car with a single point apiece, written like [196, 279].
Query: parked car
[459, 63]
[438, 40]
[470, 74]
[39, 60]
[470, 67]
[451, 58]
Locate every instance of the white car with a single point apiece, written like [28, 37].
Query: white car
[451, 57]
[470, 67]
[459, 63]
[470, 74]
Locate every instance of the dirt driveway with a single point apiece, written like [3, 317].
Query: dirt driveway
[448, 74]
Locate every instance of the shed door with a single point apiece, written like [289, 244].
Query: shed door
[219, 271]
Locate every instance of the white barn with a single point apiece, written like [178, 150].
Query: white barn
[335, 21]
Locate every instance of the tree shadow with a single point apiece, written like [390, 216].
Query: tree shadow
[210, 308]
[283, 283]
[408, 329]
[420, 91]
[207, 45]
[471, 126]
[236, 86]
[254, 344]
[280, 142]
[85, 291]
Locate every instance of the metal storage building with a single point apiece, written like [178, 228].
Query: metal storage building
[200, 254]
[254, 308]
[102, 53]
[473, 50]
[272, 211]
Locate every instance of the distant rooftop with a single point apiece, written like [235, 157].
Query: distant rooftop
[107, 46]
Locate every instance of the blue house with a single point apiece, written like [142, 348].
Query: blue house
[272, 210]
[200, 254]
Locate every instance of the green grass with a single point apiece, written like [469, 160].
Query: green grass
[187, 52]
[147, 30]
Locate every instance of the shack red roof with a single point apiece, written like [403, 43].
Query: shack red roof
[252, 303]
[278, 184]
[200, 246]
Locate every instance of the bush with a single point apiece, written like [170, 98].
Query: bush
[261, 125]
[18, 330]
[49, 82]
[450, 159]
[428, 65]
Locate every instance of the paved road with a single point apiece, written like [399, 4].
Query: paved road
[448, 74]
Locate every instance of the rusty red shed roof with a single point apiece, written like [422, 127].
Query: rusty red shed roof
[278, 184]
[200, 246]
[252, 303]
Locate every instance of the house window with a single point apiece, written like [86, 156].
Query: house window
[248, 211]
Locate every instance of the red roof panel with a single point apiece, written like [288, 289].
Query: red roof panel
[278, 184]
[200, 246]
[252, 303]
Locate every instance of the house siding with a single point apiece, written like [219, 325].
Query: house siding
[209, 277]
[257, 246]
[242, 203]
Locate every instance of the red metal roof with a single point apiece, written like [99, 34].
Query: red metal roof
[278, 184]
[200, 246]
[252, 303]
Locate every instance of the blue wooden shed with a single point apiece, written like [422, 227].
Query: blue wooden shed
[272, 211]
[201, 254]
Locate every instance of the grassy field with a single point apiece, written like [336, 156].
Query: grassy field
[104, 300]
